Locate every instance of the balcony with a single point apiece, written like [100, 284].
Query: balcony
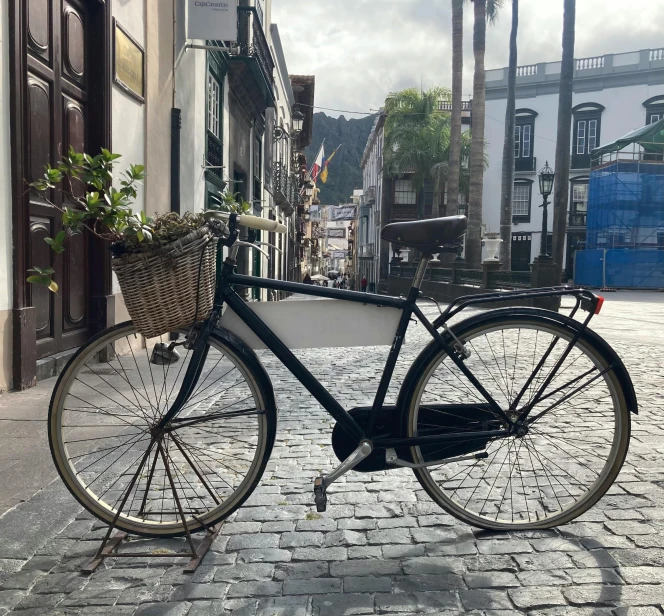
[366, 251]
[577, 219]
[525, 165]
[370, 195]
[252, 69]
[285, 187]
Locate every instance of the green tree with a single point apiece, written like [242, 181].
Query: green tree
[563, 152]
[507, 181]
[417, 142]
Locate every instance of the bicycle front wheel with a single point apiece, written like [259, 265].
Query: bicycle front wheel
[576, 436]
[101, 419]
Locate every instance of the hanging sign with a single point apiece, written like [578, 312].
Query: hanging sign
[338, 233]
[214, 20]
[343, 212]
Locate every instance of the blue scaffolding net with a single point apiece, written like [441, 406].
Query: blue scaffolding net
[625, 223]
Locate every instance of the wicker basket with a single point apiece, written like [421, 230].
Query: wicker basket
[160, 288]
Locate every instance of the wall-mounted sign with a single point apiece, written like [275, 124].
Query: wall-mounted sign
[338, 233]
[128, 63]
[214, 20]
[343, 212]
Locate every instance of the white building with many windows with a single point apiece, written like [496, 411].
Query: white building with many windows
[613, 94]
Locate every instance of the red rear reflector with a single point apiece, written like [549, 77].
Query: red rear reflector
[600, 301]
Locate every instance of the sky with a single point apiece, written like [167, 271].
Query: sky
[361, 50]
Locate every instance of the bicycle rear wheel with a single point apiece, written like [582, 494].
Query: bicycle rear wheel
[575, 441]
[111, 395]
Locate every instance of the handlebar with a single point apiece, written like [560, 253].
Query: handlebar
[263, 224]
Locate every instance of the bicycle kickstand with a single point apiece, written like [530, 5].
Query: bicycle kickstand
[322, 482]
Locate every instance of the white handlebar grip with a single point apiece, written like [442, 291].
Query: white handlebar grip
[264, 224]
[256, 222]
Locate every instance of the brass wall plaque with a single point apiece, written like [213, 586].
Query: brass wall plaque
[128, 63]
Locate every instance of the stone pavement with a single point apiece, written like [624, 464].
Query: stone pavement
[381, 548]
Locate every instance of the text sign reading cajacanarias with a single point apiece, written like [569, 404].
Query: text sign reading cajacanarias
[212, 20]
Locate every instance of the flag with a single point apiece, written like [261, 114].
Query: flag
[318, 163]
[323, 175]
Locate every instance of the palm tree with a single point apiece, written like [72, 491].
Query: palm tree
[455, 125]
[473, 237]
[417, 142]
[508, 148]
[563, 153]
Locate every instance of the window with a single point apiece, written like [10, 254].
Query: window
[521, 201]
[579, 204]
[404, 193]
[524, 130]
[586, 133]
[214, 106]
[654, 116]
[654, 109]
[522, 140]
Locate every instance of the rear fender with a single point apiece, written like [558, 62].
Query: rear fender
[427, 355]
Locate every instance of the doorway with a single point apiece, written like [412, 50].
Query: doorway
[521, 246]
[60, 98]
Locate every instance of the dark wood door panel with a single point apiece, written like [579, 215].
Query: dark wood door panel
[40, 127]
[41, 256]
[39, 29]
[57, 115]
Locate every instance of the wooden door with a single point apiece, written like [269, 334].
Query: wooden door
[58, 44]
[521, 245]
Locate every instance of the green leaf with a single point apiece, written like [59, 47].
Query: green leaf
[53, 287]
[42, 280]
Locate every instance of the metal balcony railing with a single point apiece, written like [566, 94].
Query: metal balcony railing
[366, 250]
[252, 41]
[577, 219]
[285, 185]
[525, 164]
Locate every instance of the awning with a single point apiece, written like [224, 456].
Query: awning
[650, 138]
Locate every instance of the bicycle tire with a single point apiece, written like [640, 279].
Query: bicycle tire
[230, 349]
[589, 346]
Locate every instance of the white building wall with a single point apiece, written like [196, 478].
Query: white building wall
[128, 118]
[190, 97]
[5, 206]
[624, 111]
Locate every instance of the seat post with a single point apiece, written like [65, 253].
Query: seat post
[421, 269]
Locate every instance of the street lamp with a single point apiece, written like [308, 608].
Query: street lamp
[546, 177]
[298, 120]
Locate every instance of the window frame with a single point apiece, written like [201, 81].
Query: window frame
[572, 211]
[410, 190]
[524, 140]
[586, 133]
[654, 106]
[518, 184]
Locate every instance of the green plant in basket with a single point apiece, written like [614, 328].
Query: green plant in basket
[101, 203]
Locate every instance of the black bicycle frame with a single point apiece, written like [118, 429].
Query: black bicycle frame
[225, 293]
[408, 306]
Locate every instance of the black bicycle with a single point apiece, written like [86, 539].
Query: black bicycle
[514, 418]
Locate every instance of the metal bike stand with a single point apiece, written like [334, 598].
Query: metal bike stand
[110, 545]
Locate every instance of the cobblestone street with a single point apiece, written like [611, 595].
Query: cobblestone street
[382, 547]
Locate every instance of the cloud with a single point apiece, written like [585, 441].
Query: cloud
[361, 50]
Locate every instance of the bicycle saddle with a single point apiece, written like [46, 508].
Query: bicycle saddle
[426, 235]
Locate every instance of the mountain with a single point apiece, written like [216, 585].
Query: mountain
[344, 170]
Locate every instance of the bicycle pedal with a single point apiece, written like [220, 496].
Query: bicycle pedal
[320, 494]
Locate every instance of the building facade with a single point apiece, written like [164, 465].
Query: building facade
[613, 94]
[201, 116]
